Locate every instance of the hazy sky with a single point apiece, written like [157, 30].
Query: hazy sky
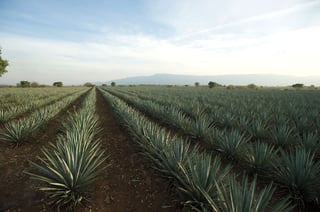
[79, 41]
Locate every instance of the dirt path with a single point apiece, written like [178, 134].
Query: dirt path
[129, 184]
[17, 191]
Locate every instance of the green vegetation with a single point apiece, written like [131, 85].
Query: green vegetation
[58, 84]
[34, 84]
[24, 84]
[298, 85]
[247, 128]
[252, 86]
[88, 84]
[213, 84]
[235, 196]
[18, 131]
[298, 172]
[199, 178]
[72, 164]
[3, 65]
[222, 149]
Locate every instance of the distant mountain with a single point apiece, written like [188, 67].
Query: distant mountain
[258, 79]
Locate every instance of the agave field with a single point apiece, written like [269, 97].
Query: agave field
[159, 148]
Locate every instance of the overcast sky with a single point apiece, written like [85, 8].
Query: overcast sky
[79, 41]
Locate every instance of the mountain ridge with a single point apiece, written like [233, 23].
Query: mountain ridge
[235, 79]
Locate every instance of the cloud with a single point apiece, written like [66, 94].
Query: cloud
[256, 19]
[294, 52]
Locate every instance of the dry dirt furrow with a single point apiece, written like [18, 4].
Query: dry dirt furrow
[129, 184]
[17, 191]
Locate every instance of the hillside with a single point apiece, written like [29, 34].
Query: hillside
[173, 79]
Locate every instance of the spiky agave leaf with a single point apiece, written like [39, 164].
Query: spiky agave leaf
[196, 181]
[244, 197]
[298, 172]
[201, 127]
[69, 168]
[258, 128]
[282, 136]
[84, 121]
[17, 132]
[72, 164]
[310, 141]
[232, 144]
[4, 115]
[215, 138]
[260, 156]
[175, 154]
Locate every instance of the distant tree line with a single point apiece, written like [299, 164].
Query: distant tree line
[58, 84]
[297, 85]
[27, 84]
[88, 84]
[213, 84]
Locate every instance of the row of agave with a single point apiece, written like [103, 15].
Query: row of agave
[278, 133]
[202, 182]
[243, 109]
[14, 96]
[69, 167]
[202, 125]
[18, 131]
[296, 169]
[16, 108]
[22, 96]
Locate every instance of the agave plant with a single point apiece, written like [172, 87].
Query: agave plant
[175, 154]
[73, 163]
[258, 129]
[278, 118]
[201, 127]
[244, 197]
[85, 122]
[215, 138]
[68, 170]
[18, 132]
[227, 120]
[260, 156]
[298, 173]
[303, 124]
[243, 122]
[153, 140]
[310, 141]
[232, 145]
[4, 116]
[196, 181]
[282, 136]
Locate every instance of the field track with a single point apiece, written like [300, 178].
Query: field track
[18, 191]
[129, 184]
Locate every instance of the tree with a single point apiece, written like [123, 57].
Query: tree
[25, 84]
[58, 84]
[231, 87]
[213, 84]
[3, 65]
[196, 84]
[297, 85]
[252, 86]
[34, 84]
[113, 84]
[88, 84]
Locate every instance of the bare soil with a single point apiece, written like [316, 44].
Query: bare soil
[129, 184]
[17, 191]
